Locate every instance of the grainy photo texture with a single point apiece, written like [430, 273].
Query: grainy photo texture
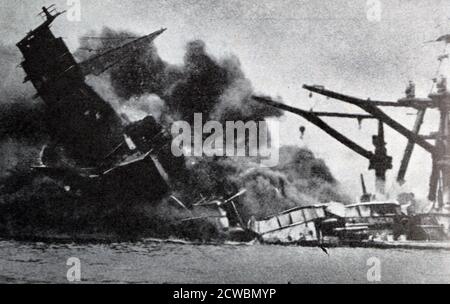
[213, 141]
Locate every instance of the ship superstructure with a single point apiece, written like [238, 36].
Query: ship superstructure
[91, 146]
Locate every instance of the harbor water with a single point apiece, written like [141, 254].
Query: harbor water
[176, 262]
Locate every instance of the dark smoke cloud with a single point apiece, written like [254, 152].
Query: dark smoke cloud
[203, 84]
[300, 179]
[145, 84]
[22, 126]
[144, 72]
[22, 120]
[219, 90]
[21, 117]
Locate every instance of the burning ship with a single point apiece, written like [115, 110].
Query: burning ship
[92, 149]
[100, 158]
[95, 152]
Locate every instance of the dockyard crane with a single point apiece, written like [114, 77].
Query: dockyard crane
[440, 151]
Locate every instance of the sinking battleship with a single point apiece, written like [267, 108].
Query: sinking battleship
[92, 150]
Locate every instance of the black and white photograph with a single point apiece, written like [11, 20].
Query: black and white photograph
[224, 142]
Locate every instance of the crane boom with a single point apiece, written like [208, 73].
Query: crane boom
[410, 147]
[379, 161]
[372, 109]
[314, 119]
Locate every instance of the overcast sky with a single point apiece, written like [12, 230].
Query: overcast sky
[282, 45]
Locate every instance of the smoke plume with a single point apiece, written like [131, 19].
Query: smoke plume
[219, 90]
[203, 84]
[145, 84]
[22, 123]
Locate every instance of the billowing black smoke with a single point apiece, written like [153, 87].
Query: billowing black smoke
[22, 119]
[300, 179]
[203, 84]
[145, 84]
[219, 90]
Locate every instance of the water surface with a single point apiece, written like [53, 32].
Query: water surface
[162, 262]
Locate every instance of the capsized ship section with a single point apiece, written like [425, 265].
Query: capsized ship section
[298, 225]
